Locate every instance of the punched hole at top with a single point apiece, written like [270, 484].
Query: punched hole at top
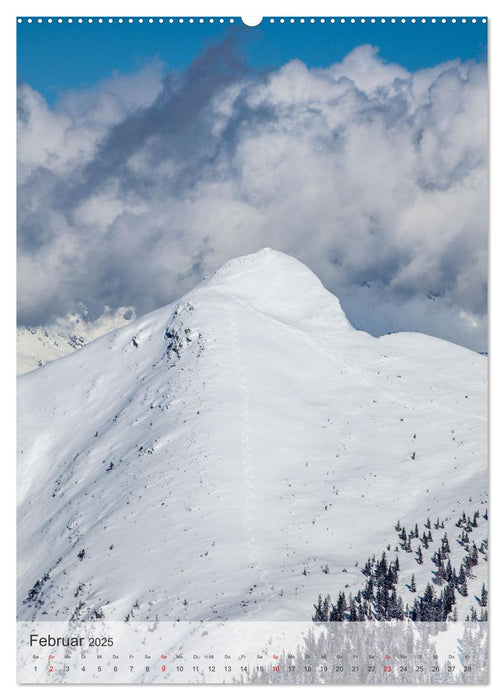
[251, 21]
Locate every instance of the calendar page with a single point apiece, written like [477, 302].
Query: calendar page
[252, 350]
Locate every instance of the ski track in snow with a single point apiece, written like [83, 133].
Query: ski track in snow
[246, 459]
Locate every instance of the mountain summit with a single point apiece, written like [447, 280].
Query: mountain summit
[236, 453]
[278, 284]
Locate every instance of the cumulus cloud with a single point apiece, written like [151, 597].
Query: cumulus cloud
[373, 176]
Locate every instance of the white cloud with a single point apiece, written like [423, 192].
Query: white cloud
[373, 176]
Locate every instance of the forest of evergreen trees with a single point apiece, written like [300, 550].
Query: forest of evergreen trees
[379, 599]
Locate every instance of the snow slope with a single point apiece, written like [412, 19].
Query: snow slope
[39, 345]
[206, 461]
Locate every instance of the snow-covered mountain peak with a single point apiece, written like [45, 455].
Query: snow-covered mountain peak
[279, 285]
[239, 452]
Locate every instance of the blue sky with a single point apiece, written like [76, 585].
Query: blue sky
[53, 58]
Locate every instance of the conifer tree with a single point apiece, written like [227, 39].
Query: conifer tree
[448, 600]
[382, 571]
[484, 597]
[474, 554]
[368, 591]
[352, 610]
[427, 604]
[340, 609]
[318, 617]
[325, 608]
[449, 572]
[445, 544]
[381, 603]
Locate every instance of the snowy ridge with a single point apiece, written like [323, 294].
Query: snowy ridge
[192, 465]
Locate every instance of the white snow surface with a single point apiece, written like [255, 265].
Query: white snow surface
[204, 456]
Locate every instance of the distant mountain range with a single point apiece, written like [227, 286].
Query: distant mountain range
[36, 346]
